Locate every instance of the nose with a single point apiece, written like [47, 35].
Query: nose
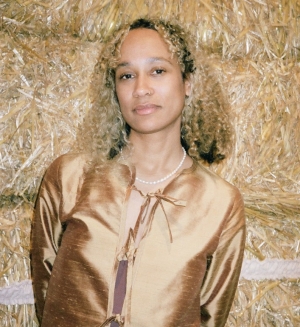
[142, 87]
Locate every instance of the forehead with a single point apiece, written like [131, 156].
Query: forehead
[144, 42]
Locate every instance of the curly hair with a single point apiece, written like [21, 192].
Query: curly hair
[206, 133]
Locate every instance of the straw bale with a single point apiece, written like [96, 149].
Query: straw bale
[18, 316]
[264, 165]
[44, 94]
[239, 27]
[15, 225]
[266, 303]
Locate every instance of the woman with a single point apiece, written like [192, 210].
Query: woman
[136, 232]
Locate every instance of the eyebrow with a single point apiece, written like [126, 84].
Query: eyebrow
[148, 60]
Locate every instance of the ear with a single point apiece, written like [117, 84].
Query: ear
[188, 86]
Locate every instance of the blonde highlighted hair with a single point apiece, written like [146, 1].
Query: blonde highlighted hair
[206, 132]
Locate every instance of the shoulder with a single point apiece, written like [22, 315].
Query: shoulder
[221, 194]
[214, 185]
[68, 162]
[209, 176]
[66, 168]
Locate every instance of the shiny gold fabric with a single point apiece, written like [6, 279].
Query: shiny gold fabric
[183, 273]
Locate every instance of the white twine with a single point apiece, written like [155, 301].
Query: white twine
[17, 293]
[270, 269]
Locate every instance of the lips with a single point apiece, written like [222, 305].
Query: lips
[145, 109]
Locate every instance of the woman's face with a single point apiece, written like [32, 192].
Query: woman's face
[149, 83]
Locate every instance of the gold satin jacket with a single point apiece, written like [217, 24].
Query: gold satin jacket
[184, 272]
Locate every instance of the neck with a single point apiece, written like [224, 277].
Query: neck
[156, 156]
[154, 151]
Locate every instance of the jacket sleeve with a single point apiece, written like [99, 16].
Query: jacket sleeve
[219, 286]
[46, 234]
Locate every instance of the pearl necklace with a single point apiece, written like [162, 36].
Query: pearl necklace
[166, 177]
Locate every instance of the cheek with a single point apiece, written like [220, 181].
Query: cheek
[172, 89]
[179, 91]
[180, 85]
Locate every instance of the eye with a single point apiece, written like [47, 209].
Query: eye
[126, 76]
[158, 71]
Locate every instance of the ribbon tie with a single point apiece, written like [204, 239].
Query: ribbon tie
[160, 197]
[128, 250]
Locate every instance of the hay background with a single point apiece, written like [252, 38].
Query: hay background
[47, 53]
